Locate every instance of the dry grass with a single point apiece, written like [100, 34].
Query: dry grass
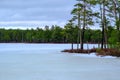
[108, 52]
[101, 52]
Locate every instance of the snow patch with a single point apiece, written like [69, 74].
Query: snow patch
[92, 55]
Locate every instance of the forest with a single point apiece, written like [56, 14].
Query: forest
[85, 14]
[55, 34]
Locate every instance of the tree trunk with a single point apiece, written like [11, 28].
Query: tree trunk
[79, 29]
[79, 35]
[72, 46]
[118, 3]
[83, 30]
[82, 42]
[105, 32]
[119, 24]
[103, 25]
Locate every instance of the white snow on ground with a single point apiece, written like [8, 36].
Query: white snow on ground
[92, 55]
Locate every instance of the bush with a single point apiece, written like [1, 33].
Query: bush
[118, 45]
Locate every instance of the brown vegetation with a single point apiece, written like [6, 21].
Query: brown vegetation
[108, 52]
[80, 51]
[99, 52]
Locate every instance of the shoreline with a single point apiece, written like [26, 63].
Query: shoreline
[45, 43]
[98, 52]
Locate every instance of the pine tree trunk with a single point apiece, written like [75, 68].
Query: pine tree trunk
[119, 25]
[79, 35]
[79, 29]
[72, 46]
[103, 26]
[82, 42]
[83, 30]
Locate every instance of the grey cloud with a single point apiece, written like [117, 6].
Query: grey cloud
[35, 10]
[34, 3]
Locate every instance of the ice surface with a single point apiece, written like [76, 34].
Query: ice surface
[46, 62]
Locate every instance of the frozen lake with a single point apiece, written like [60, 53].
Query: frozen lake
[47, 62]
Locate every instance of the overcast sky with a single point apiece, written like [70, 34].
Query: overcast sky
[34, 13]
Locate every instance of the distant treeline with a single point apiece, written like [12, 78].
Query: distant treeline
[55, 34]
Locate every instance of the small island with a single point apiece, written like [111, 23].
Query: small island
[109, 38]
[98, 52]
